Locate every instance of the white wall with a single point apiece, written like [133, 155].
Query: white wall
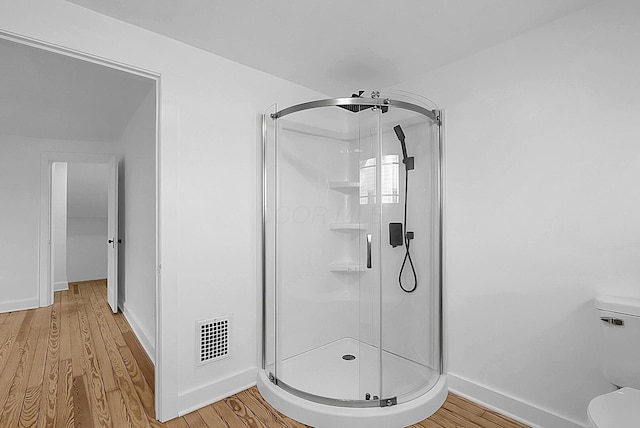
[208, 187]
[20, 216]
[542, 207]
[87, 221]
[59, 180]
[137, 223]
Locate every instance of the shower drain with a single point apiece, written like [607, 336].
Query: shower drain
[348, 357]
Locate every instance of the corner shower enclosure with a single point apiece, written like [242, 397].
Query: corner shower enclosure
[352, 289]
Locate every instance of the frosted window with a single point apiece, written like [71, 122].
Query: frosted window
[388, 181]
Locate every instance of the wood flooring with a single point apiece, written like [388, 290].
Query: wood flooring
[76, 364]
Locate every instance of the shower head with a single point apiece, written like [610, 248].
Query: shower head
[354, 108]
[357, 108]
[406, 160]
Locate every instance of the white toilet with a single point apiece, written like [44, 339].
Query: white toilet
[620, 360]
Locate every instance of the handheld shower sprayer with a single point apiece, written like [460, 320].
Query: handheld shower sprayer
[406, 160]
[395, 229]
[400, 135]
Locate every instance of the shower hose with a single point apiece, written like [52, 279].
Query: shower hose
[408, 236]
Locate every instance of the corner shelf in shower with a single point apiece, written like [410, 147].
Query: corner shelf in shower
[346, 187]
[346, 267]
[348, 227]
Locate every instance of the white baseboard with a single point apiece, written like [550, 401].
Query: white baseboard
[60, 286]
[19, 305]
[146, 340]
[216, 391]
[511, 407]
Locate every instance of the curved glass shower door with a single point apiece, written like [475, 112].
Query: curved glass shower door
[409, 269]
[338, 329]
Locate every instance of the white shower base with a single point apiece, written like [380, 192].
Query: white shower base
[323, 372]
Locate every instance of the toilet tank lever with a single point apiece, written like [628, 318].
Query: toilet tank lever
[611, 320]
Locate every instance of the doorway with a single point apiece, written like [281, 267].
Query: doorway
[84, 217]
[67, 107]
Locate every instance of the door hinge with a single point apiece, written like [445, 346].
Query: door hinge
[437, 117]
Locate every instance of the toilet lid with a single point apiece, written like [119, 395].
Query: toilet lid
[617, 409]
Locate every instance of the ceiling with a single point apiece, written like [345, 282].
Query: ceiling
[339, 46]
[48, 95]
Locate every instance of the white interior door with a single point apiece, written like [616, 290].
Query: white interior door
[112, 236]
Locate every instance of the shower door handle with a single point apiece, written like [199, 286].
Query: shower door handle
[368, 251]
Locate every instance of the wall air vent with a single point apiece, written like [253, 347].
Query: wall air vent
[213, 339]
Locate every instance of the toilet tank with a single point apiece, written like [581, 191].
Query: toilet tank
[619, 320]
